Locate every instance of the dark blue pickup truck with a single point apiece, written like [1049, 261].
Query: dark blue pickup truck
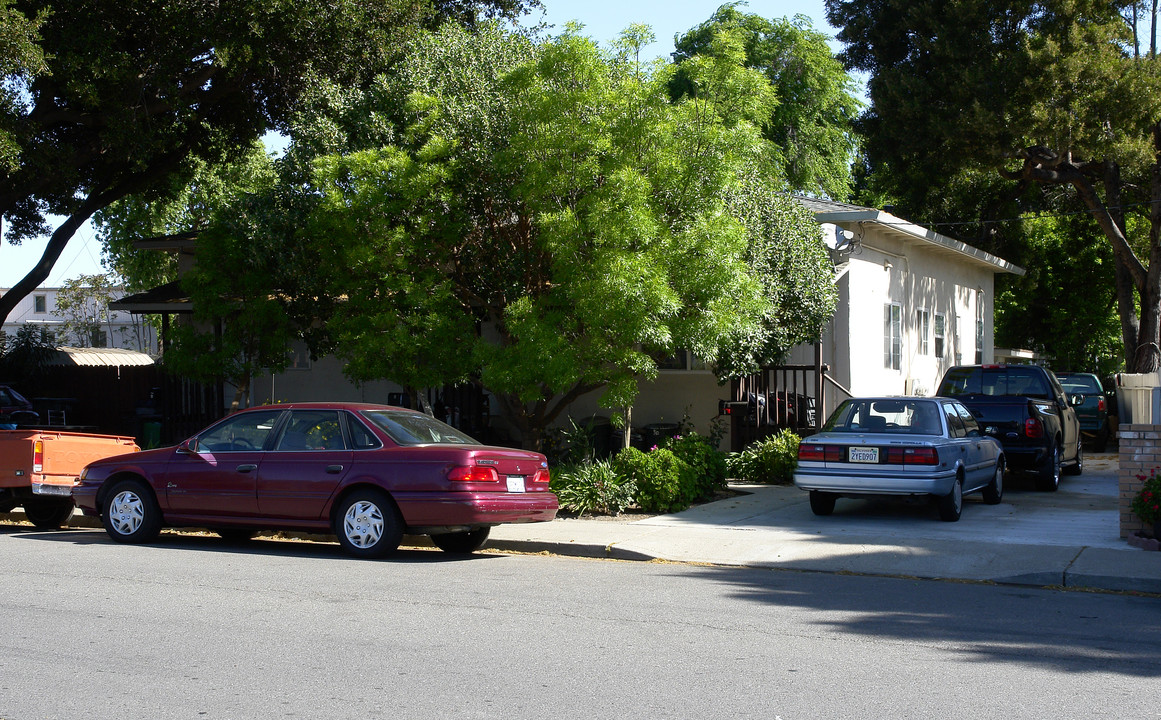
[1027, 410]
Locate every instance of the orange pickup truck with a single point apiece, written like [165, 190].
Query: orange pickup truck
[39, 467]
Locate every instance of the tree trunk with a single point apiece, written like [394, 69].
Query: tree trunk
[1148, 355]
[1153, 31]
[1125, 288]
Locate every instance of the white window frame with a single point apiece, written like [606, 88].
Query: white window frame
[940, 334]
[892, 336]
[923, 321]
[40, 304]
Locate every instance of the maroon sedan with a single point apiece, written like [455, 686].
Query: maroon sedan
[367, 473]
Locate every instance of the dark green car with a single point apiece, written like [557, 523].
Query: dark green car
[1093, 413]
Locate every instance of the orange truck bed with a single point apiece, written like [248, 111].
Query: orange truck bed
[39, 467]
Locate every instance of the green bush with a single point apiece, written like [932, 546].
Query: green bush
[592, 487]
[706, 469]
[770, 461]
[662, 485]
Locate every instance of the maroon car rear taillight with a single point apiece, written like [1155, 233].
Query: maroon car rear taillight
[1033, 428]
[541, 476]
[473, 474]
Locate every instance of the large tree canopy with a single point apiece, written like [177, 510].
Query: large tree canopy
[1051, 94]
[105, 98]
[550, 222]
[812, 116]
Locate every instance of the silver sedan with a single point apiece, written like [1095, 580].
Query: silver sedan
[901, 446]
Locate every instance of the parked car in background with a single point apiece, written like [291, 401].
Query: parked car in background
[15, 409]
[901, 446]
[1093, 411]
[1027, 410]
[367, 473]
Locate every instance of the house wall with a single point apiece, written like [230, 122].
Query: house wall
[885, 271]
[315, 380]
[671, 398]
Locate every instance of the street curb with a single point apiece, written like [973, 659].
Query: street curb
[582, 550]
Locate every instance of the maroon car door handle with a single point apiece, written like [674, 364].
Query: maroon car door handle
[246, 468]
[334, 469]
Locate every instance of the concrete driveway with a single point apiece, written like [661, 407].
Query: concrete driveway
[1067, 538]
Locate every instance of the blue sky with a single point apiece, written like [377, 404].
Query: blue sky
[603, 21]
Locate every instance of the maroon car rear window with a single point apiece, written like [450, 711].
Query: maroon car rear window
[412, 428]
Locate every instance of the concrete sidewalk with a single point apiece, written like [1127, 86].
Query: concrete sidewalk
[1067, 539]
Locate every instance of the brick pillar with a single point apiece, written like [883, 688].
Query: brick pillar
[1140, 452]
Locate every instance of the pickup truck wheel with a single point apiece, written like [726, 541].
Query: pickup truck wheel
[993, 492]
[368, 524]
[1077, 467]
[1049, 479]
[461, 543]
[130, 513]
[951, 504]
[48, 513]
[821, 503]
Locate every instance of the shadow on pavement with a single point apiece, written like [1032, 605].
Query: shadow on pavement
[262, 546]
[1034, 627]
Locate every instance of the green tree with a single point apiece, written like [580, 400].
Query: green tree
[102, 99]
[26, 354]
[21, 60]
[549, 219]
[83, 302]
[1038, 310]
[1051, 95]
[812, 120]
[253, 286]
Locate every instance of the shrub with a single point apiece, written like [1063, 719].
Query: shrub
[706, 469]
[1147, 503]
[770, 461]
[658, 477]
[592, 488]
[570, 445]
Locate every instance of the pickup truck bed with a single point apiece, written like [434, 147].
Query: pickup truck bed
[38, 469]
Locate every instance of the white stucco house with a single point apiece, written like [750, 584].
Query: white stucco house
[123, 330]
[911, 303]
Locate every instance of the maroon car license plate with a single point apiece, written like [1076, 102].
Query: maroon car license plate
[516, 483]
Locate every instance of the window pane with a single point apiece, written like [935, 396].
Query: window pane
[240, 433]
[312, 430]
[892, 336]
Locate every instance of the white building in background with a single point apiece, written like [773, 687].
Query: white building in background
[123, 330]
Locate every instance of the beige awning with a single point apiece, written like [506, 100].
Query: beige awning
[99, 357]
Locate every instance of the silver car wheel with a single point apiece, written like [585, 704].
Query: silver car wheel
[363, 524]
[126, 512]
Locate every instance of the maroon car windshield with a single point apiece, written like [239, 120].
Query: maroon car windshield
[412, 428]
